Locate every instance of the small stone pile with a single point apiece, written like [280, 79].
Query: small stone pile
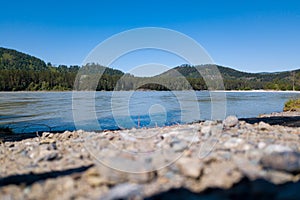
[140, 163]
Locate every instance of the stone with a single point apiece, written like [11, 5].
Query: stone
[233, 142]
[190, 167]
[45, 134]
[94, 178]
[209, 123]
[206, 148]
[178, 145]
[223, 156]
[124, 191]
[144, 177]
[261, 145]
[206, 130]
[220, 175]
[68, 183]
[47, 141]
[276, 148]
[278, 177]
[249, 169]
[230, 121]
[264, 126]
[49, 156]
[94, 181]
[282, 161]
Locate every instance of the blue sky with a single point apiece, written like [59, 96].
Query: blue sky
[254, 35]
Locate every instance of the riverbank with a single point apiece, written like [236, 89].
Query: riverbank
[244, 91]
[140, 90]
[237, 157]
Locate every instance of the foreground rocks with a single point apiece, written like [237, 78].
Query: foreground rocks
[144, 163]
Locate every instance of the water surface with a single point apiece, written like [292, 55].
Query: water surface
[53, 111]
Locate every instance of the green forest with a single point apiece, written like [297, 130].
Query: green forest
[22, 72]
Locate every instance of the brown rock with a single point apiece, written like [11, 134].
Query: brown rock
[92, 177]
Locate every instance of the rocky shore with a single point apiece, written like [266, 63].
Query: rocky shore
[211, 159]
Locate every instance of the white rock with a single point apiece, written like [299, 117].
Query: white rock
[230, 121]
[246, 147]
[206, 130]
[277, 148]
[264, 126]
[261, 145]
[209, 123]
[190, 167]
[233, 142]
[124, 191]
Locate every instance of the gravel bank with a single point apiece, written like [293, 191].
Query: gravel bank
[233, 157]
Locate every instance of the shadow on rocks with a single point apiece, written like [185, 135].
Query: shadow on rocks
[245, 189]
[28, 179]
[277, 120]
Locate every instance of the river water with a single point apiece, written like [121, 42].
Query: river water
[57, 111]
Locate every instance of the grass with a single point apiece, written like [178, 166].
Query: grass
[292, 105]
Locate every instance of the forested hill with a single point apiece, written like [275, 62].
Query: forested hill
[22, 72]
[12, 59]
[193, 72]
[236, 80]
[226, 72]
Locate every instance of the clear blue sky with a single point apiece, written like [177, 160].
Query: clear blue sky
[249, 35]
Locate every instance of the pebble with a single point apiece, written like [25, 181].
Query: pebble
[261, 145]
[144, 177]
[178, 145]
[48, 156]
[230, 121]
[93, 177]
[233, 142]
[264, 126]
[206, 130]
[124, 191]
[190, 167]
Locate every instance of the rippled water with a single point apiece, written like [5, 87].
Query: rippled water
[53, 111]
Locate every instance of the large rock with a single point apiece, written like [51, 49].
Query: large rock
[284, 161]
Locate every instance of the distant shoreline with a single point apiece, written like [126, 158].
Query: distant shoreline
[262, 91]
[227, 91]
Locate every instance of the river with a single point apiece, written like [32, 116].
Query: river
[57, 111]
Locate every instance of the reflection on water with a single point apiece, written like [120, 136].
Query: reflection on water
[53, 111]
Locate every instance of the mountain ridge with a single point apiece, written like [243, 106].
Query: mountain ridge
[31, 73]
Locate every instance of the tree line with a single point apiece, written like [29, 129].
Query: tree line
[22, 72]
[61, 79]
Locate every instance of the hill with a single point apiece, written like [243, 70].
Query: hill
[226, 72]
[23, 72]
[235, 80]
[11, 59]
